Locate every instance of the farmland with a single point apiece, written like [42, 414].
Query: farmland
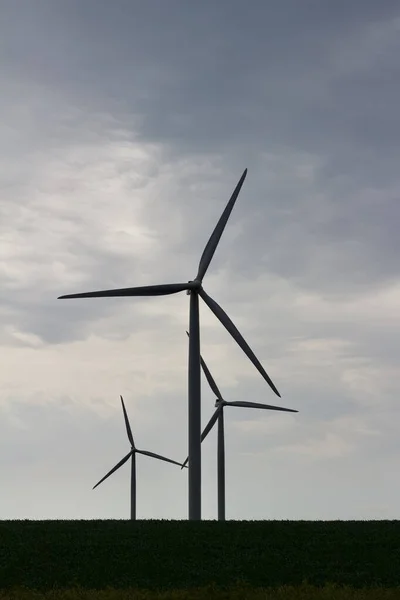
[179, 555]
[303, 592]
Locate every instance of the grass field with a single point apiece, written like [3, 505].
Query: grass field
[161, 556]
[235, 593]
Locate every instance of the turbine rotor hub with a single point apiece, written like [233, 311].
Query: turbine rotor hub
[195, 286]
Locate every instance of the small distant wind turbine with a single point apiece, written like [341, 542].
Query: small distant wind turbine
[219, 416]
[194, 288]
[132, 455]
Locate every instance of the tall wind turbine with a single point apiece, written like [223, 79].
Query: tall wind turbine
[195, 289]
[218, 415]
[132, 455]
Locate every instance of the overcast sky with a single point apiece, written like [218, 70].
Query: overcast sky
[124, 128]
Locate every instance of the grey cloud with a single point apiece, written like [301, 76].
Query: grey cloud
[270, 65]
[283, 77]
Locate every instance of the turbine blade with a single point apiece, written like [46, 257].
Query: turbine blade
[127, 424]
[152, 455]
[237, 336]
[263, 406]
[210, 423]
[121, 462]
[212, 243]
[207, 429]
[210, 378]
[146, 290]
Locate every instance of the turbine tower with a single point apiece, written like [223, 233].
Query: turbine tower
[132, 455]
[218, 415]
[195, 289]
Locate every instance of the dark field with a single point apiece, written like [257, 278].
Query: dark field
[182, 555]
[234, 593]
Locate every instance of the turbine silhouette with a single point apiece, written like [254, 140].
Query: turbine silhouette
[132, 455]
[218, 415]
[195, 289]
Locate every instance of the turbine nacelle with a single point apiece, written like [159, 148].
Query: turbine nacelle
[195, 285]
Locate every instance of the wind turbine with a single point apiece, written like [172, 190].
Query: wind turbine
[132, 455]
[195, 289]
[218, 415]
